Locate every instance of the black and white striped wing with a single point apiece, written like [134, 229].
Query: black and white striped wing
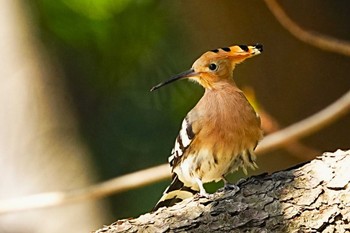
[182, 142]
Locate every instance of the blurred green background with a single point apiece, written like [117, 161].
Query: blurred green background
[112, 51]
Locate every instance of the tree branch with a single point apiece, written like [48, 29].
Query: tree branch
[116, 185]
[321, 41]
[313, 197]
[270, 125]
[161, 172]
[307, 126]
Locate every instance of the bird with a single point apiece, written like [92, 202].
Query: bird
[219, 135]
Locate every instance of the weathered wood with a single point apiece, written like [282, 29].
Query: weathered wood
[313, 197]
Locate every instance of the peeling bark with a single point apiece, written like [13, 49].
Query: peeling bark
[312, 197]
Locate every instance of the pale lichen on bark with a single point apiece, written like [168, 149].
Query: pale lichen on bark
[313, 197]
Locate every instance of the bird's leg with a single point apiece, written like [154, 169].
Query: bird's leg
[202, 191]
[229, 186]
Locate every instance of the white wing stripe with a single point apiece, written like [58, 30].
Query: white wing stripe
[183, 134]
[182, 142]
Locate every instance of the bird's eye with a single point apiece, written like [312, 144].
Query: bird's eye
[213, 67]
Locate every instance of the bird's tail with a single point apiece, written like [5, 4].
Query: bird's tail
[175, 192]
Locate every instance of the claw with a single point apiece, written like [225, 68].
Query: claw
[230, 187]
[206, 195]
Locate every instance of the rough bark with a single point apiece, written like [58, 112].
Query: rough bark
[311, 197]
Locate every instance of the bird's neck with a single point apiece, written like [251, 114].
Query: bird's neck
[224, 87]
[224, 98]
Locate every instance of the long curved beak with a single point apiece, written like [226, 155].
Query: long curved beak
[185, 74]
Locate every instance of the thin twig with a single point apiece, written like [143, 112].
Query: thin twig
[270, 125]
[161, 172]
[313, 38]
[116, 185]
[307, 126]
[296, 148]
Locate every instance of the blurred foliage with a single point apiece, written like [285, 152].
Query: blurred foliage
[110, 53]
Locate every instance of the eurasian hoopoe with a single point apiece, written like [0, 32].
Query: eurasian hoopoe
[220, 133]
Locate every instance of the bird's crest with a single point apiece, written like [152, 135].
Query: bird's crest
[216, 65]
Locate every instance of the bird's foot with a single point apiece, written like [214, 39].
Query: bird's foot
[228, 186]
[231, 187]
[202, 192]
[202, 195]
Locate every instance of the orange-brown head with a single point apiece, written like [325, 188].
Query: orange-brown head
[216, 65]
